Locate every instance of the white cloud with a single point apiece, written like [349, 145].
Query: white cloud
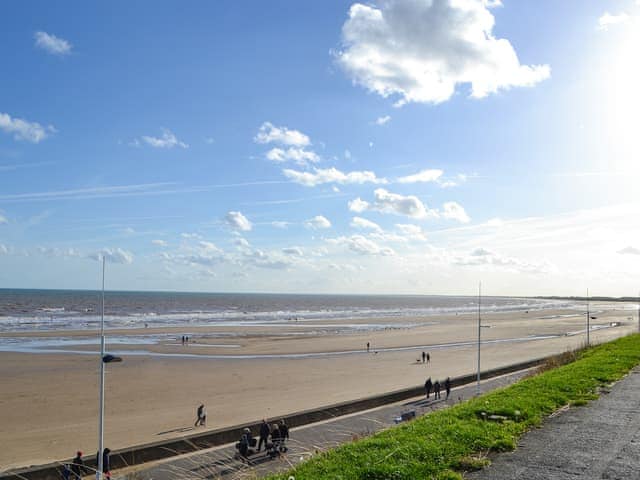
[318, 222]
[484, 257]
[238, 221]
[413, 232]
[280, 224]
[387, 202]
[3, 219]
[364, 224]
[209, 140]
[382, 120]
[607, 20]
[168, 140]
[159, 243]
[113, 255]
[269, 133]
[629, 251]
[452, 182]
[362, 245]
[421, 50]
[52, 44]
[298, 155]
[430, 175]
[3, 249]
[295, 251]
[241, 243]
[331, 175]
[23, 130]
[188, 235]
[494, 222]
[454, 211]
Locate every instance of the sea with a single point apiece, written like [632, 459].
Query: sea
[46, 310]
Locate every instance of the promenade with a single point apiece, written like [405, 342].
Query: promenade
[305, 441]
[597, 441]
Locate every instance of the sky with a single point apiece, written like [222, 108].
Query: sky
[387, 147]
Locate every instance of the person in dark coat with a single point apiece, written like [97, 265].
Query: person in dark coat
[424, 356]
[284, 430]
[276, 435]
[245, 442]
[77, 465]
[427, 386]
[264, 434]
[106, 467]
[201, 415]
[447, 386]
[428, 357]
[436, 390]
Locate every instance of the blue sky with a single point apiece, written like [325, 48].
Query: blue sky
[413, 146]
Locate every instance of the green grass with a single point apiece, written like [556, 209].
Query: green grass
[445, 443]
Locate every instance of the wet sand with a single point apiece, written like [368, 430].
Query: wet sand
[49, 401]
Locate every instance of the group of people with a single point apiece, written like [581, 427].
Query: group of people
[435, 387]
[278, 433]
[426, 356]
[185, 340]
[77, 469]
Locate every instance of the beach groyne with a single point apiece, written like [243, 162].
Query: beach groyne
[160, 450]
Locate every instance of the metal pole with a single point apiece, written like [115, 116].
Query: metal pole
[638, 311]
[479, 329]
[588, 319]
[101, 407]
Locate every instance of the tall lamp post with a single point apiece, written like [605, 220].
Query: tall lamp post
[479, 330]
[588, 319]
[103, 359]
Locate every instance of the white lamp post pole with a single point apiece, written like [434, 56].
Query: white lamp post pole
[588, 319]
[101, 408]
[479, 329]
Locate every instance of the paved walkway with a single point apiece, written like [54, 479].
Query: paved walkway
[305, 441]
[597, 441]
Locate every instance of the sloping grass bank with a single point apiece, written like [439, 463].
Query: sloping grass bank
[444, 443]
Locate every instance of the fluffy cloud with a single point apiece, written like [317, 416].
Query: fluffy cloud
[362, 245]
[629, 251]
[238, 221]
[387, 202]
[269, 133]
[331, 175]
[52, 44]
[607, 20]
[168, 140]
[113, 255]
[3, 219]
[454, 211]
[484, 257]
[364, 224]
[421, 50]
[413, 232]
[431, 175]
[295, 251]
[383, 120]
[297, 155]
[159, 243]
[23, 130]
[318, 222]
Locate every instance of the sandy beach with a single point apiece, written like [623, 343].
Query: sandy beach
[49, 401]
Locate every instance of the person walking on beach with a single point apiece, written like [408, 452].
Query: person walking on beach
[77, 465]
[368, 347]
[183, 340]
[428, 357]
[447, 387]
[427, 386]
[424, 356]
[201, 416]
[436, 390]
[265, 431]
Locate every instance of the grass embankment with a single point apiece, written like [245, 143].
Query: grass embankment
[444, 443]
